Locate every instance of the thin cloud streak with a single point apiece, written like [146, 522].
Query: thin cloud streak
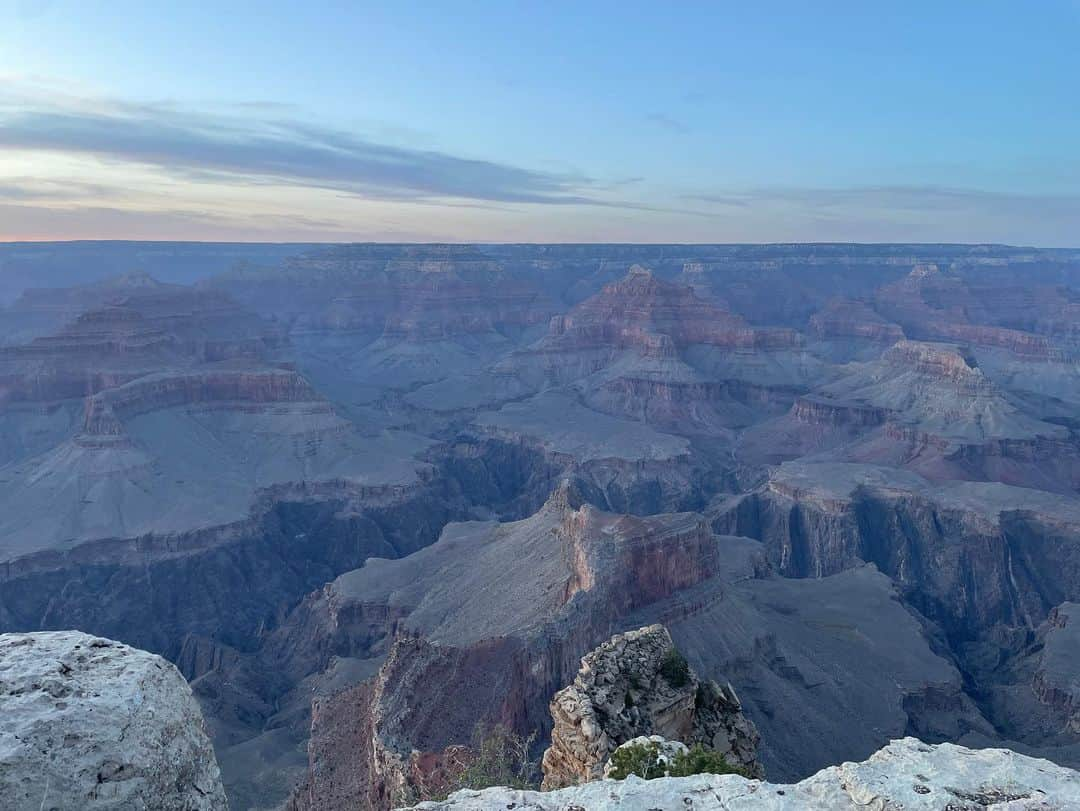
[26, 189]
[897, 198]
[195, 146]
[668, 123]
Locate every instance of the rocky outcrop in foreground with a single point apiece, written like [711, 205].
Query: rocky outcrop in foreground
[92, 724]
[638, 684]
[906, 774]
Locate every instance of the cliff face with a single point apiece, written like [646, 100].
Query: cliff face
[853, 320]
[905, 774]
[483, 627]
[633, 685]
[92, 724]
[937, 542]
[489, 622]
[994, 567]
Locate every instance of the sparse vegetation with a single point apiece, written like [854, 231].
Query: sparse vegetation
[642, 759]
[496, 756]
[648, 762]
[700, 760]
[675, 668]
[500, 757]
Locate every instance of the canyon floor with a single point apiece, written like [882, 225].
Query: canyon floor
[366, 497]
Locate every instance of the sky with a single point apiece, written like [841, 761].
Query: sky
[549, 121]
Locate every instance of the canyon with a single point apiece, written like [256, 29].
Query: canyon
[368, 497]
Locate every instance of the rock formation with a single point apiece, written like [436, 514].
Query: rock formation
[637, 684]
[206, 471]
[926, 407]
[654, 351]
[481, 627]
[87, 723]
[907, 774]
[847, 320]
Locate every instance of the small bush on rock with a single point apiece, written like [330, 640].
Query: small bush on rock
[675, 668]
[647, 761]
[497, 756]
[501, 758]
[700, 760]
[642, 759]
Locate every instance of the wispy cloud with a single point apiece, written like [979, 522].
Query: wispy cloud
[254, 150]
[666, 122]
[28, 222]
[910, 199]
[25, 189]
[900, 213]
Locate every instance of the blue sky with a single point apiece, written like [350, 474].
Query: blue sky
[689, 122]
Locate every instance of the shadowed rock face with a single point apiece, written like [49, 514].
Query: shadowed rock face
[90, 723]
[208, 471]
[994, 567]
[941, 543]
[632, 686]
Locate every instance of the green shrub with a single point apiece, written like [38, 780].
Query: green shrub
[675, 668]
[643, 760]
[700, 760]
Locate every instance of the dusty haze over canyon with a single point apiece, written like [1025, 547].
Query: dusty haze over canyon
[367, 496]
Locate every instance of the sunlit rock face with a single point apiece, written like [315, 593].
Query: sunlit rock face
[93, 724]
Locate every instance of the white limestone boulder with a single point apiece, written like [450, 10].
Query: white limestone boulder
[94, 725]
[907, 774]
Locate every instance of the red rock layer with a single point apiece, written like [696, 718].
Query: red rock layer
[844, 318]
[626, 313]
[427, 697]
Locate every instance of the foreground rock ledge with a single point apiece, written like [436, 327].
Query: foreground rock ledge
[907, 774]
[88, 723]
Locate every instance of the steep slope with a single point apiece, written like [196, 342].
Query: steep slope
[987, 563]
[927, 408]
[486, 624]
